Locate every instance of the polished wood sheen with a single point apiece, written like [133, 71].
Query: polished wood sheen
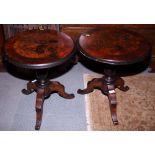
[39, 49]
[146, 30]
[114, 46]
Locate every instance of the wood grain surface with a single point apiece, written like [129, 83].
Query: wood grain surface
[114, 46]
[38, 48]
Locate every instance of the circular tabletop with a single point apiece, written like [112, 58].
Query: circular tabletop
[114, 46]
[38, 49]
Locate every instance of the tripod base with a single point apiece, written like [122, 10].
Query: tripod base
[44, 91]
[107, 85]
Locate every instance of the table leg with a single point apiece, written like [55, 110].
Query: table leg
[39, 107]
[96, 83]
[44, 88]
[31, 87]
[57, 87]
[119, 83]
[113, 103]
[107, 85]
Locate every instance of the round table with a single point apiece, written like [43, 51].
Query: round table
[112, 47]
[40, 50]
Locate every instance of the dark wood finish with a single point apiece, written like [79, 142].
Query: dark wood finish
[1, 47]
[1, 37]
[152, 65]
[41, 50]
[146, 30]
[137, 26]
[107, 85]
[75, 30]
[10, 30]
[112, 47]
[44, 88]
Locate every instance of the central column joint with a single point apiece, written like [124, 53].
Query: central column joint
[42, 78]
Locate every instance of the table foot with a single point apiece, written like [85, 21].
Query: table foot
[43, 91]
[31, 87]
[96, 83]
[119, 83]
[108, 89]
[60, 89]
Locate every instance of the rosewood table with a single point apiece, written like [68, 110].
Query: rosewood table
[40, 50]
[113, 48]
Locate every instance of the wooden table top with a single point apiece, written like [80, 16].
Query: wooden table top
[39, 49]
[114, 46]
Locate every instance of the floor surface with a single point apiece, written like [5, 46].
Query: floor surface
[17, 111]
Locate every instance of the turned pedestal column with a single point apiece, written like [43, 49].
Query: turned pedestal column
[41, 50]
[112, 48]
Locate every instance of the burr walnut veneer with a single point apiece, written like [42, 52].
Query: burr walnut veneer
[40, 50]
[112, 47]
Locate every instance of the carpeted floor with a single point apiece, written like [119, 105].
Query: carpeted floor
[135, 109]
[17, 111]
